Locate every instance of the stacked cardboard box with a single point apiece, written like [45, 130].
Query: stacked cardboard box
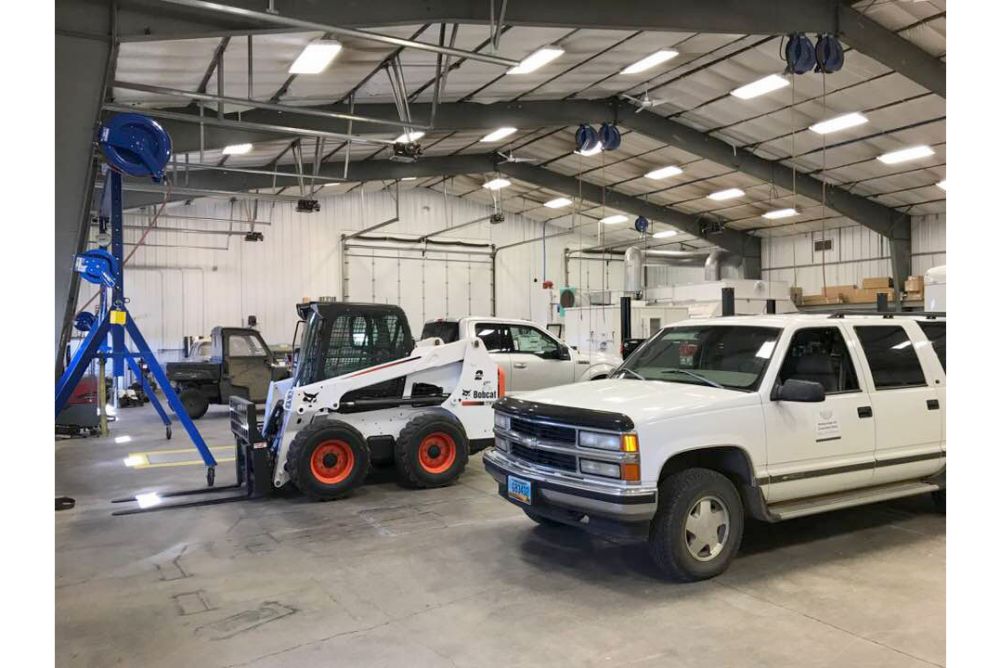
[870, 295]
[914, 285]
[876, 282]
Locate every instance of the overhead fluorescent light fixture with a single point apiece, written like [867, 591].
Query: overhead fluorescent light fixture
[729, 193]
[408, 178]
[943, 184]
[315, 58]
[781, 213]
[615, 219]
[496, 184]
[539, 58]
[652, 60]
[237, 149]
[906, 154]
[409, 137]
[664, 234]
[498, 134]
[558, 203]
[770, 83]
[597, 149]
[664, 172]
[839, 123]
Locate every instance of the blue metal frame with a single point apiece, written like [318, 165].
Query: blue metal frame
[95, 343]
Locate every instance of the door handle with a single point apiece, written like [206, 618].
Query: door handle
[933, 405]
[865, 411]
[520, 365]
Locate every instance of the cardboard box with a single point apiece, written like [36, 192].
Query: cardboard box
[870, 296]
[820, 300]
[838, 291]
[795, 294]
[876, 282]
[914, 284]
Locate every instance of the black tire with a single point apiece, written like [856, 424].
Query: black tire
[679, 494]
[431, 451]
[542, 521]
[940, 502]
[195, 402]
[327, 460]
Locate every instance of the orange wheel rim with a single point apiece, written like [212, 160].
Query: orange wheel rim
[437, 452]
[332, 462]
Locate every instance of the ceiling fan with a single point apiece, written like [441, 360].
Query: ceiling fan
[643, 103]
[510, 157]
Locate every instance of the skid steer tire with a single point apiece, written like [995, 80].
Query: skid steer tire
[431, 451]
[195, 402]
[327, 460]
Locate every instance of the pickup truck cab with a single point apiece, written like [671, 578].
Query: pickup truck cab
[775, 417]
[530, 357]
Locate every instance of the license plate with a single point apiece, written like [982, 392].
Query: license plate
[519, 489]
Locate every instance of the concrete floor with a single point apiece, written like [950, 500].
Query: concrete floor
[458, 577]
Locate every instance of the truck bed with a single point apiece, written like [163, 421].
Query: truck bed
[181, 372]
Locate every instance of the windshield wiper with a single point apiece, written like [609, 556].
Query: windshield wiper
[704, 380]
[626, 369]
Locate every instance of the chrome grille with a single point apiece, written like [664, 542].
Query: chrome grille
[549, 432]
[556, 460]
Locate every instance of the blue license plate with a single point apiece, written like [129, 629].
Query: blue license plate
[519, 489]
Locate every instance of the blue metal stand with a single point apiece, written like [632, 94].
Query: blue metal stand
[130, 151]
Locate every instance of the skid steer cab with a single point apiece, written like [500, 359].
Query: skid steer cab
[363, 393]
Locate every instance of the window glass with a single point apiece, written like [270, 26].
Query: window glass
[446, 331]
[891, 357]
[245, 345]
[495, 336]
[718, 355]
[532, 341]
[820, 355]
[934, 330]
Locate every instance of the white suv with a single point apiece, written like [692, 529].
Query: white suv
[775, 416]
[530, 357]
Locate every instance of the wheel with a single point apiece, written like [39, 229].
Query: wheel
[195, 402]
[327, 459]
[939, 500]
[542, 521]
[698, 525]
[431, 451]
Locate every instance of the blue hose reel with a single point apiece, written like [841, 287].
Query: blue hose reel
[136, 145]
[801, 56]
[84, 321]
[97, 266]
[641, 224]
[829, 54]
[607, 138]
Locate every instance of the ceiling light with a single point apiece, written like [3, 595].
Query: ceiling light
[839, 123]
[905, 154]
[558, 203]
[781, 213]
[664, 234]
[615, 219]
[541, 57]
[729, 193]
[315, 58]
[237, 149]
[760, 87]
[409, 137]
[496, 184]
[499, 134]
[943, 184]
[664, 172]
[652, 60]
[408, 178]
[592, 151]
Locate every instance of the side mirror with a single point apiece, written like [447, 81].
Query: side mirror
[804, 391]
[564, 352]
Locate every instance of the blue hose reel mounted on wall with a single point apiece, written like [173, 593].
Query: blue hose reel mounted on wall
[136, 145]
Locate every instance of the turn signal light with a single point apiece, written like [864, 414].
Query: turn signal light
[630, 472]
[630, 443]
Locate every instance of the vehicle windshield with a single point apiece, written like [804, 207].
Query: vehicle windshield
[728, 356]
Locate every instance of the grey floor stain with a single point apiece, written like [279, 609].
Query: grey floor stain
[247, 620]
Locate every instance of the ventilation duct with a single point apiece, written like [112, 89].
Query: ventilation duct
[711, 258]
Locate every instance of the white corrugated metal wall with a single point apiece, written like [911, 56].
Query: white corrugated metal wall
[856, 253]
[185, 283]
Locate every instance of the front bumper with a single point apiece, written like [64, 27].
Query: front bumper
[583, 498]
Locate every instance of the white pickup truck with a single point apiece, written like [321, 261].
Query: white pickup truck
[775, 417]
[531, 358]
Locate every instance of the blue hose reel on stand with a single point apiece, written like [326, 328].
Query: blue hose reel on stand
[137, 145]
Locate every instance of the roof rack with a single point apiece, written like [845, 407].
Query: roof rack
[930, 315]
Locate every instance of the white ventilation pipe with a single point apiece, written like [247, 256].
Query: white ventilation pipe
[636, 259]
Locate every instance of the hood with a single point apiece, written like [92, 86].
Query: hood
[597, 357]
[643, 401]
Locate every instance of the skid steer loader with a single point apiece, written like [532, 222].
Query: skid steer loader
[362, 394]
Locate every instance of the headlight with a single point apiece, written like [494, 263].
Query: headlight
[502, 421]
[591, 439]
[501, 444]
[604, 469]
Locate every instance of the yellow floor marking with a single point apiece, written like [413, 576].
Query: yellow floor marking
[187, 462]
[140, 460]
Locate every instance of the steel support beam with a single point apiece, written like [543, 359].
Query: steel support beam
[84, 56]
